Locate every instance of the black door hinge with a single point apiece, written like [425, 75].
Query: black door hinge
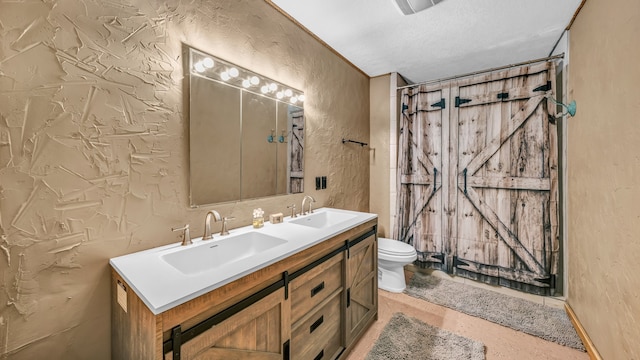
[457, 262]
[549, 280]
[545, 87]
[503, 96]
[460, 101]
[441, 104]
[438, 257]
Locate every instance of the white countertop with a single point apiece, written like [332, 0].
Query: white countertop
[162, 287]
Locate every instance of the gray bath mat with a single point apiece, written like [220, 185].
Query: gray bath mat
[532, 318]
[409, 338]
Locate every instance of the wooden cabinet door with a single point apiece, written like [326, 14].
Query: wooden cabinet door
[505, 184]
[362, 286]
[256, 333]
[423, 160]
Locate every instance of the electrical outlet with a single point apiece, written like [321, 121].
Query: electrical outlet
[318, 183]
[324, 182]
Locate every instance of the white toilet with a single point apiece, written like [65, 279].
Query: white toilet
[393, 255]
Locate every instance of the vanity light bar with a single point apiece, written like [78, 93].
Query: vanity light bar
[211, 67]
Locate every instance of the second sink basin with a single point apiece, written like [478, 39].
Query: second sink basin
[321, 220]
[217, 253]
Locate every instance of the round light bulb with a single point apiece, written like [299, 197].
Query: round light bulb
[293, 99]
[288, 92]
[301, 97]
[207, 62]
[246, 83]
[264, 89]
[233, 72]
[279, 95]
[255, 80]
[273, 87]
[225, 76]
[199, 67]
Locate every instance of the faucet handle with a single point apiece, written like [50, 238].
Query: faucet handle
[224, 230]
[293, 210]
[186, 235]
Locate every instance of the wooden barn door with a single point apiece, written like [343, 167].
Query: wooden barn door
[504, 133]
[477, 177]
[421, 163]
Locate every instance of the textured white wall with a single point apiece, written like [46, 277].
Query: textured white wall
[94, 146]
[603, 176]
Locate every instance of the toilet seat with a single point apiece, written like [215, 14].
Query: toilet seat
[393, 250]
[394, 247]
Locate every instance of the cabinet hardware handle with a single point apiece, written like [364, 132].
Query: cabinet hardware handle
[320, 355]
[316, 324]
[348, 297]
[464, 172]
[317, 289]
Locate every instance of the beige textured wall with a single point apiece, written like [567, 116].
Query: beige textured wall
[379, 152]
[603, 176]
[93, 146]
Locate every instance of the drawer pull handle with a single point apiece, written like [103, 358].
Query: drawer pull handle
[320, 355]
[317, 289]
[316, 324]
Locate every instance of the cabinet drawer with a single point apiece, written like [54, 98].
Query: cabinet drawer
[318, 337]
[314, 286]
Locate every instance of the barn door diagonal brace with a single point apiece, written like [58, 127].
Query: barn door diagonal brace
[504, 232]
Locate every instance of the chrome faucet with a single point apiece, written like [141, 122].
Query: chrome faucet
[186, 235]
[207, 223]
[311, 201]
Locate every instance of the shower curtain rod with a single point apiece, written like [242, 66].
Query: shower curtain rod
[549, 58]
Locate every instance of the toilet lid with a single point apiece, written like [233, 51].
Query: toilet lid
[389, 246]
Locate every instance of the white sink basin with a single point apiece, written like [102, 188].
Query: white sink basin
[321, 220]
[212, 254]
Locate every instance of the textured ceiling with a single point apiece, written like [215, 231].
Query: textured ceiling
[454, 37]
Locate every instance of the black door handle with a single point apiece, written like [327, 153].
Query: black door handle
[464, 172]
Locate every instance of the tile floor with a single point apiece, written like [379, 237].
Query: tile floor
[500, 342]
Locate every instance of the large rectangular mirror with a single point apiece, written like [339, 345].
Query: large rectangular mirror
[246, 133]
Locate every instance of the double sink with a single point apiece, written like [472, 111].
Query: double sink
[167, 276]
[229, 249]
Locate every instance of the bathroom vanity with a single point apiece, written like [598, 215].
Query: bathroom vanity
[308, 292]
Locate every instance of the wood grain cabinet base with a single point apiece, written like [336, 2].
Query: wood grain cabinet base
[311, 305]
